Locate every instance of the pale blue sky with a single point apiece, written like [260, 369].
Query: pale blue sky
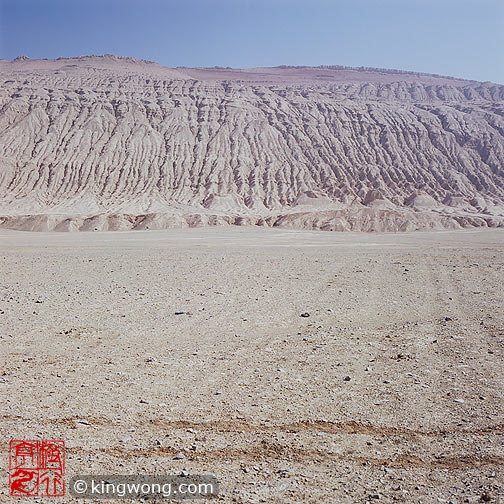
[462, 38]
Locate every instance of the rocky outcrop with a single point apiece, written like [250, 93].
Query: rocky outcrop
[118, 143]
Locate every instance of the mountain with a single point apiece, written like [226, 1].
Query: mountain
[108, 142]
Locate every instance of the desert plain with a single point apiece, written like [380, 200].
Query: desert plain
[297, 366]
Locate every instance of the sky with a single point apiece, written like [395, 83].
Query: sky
[460, 38]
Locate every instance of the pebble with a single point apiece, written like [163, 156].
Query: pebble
[82, 421]
[143, 401]
[347, 378]
[305, 314]
[461, 401]
[180, 456]
[375, 496]
[447, 319]
[125, 439]
[179, 312]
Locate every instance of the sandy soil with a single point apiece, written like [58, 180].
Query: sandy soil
[244, 386]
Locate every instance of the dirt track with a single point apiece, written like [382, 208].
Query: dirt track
[241, 383]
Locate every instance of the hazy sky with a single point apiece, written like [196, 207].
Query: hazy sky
[462, 38]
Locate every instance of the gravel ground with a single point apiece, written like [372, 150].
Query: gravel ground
[296, 366]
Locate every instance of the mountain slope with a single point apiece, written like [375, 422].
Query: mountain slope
[117, 143]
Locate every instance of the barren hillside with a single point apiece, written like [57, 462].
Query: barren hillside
[104, 142]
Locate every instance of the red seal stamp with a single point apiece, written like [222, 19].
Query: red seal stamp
[36, 468]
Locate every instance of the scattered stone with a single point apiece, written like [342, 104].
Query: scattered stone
[179, 312]
[143, 401]
[375, 496]
[158, 442]
[82, 421]
[179, 456]
[461, 401]
[125, 439]
[486, 496]
[305, 314]
[347, 378]
[447, 319]
[131, 429]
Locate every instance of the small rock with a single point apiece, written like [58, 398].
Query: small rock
[82, 421]
[131, 429]
[461, 401]
[486, 496]
[158, 443]
[179, 312]
[347, 378]
[305, 314]
[375, 496]
[447, 319]
[143, 401]
[284, 470]
[179, 456]
[125, 439]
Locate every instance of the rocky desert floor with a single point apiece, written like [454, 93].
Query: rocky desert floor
[305, 367]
